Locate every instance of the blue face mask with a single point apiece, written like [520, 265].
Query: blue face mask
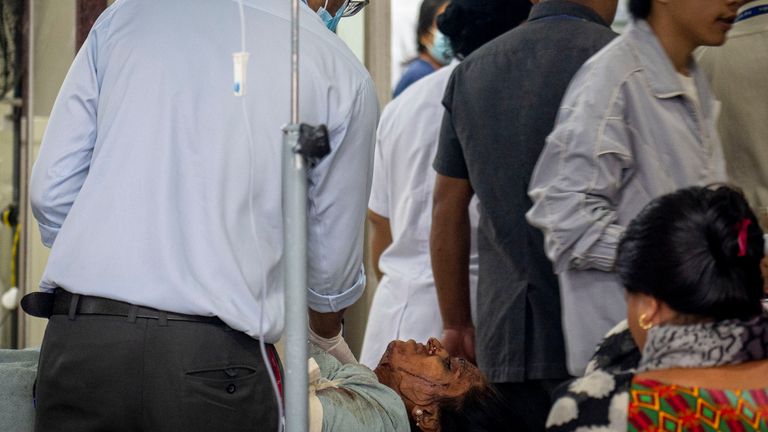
[441, 49]
[332, 21]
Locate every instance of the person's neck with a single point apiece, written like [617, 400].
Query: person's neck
[676, 44]
[602, 8]
[428, 58]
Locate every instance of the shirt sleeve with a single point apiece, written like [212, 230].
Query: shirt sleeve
[577, 182]
[449, 160]
[379, 201]
[65, 154]
[338, 191]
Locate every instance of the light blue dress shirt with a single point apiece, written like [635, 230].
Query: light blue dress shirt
[142, 183]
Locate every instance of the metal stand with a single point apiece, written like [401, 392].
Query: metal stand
[303, 147]
[295, 259]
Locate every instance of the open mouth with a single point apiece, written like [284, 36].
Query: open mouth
[431, 346]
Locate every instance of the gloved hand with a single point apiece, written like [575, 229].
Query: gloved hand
[335, 346]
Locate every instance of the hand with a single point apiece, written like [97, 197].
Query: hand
[326, 324]
[460, 342]
[335, 346]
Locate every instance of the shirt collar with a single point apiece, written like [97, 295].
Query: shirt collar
[750, 5]
[565, 7]
[660, 72]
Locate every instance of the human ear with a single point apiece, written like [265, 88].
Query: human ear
[652, 310]
[427, 417]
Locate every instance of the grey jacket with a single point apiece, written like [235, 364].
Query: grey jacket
[625, 134]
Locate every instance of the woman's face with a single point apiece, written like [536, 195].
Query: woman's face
[703, 22]
[428, 39]
[425, 374]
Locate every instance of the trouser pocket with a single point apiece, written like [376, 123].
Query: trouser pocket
[230, 398]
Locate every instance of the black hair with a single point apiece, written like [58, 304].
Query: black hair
[684, 249]
[470, 24]
[481, 409]
[427, 15]
[640, 8]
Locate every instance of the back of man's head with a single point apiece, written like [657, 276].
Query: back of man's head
[605, 8]
[471, 23]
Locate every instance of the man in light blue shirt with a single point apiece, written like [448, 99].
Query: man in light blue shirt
[151, 195]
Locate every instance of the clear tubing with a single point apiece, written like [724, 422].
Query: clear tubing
[264, 286]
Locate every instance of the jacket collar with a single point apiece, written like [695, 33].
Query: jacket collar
[660, 73]
[751, 25]
[565, 7]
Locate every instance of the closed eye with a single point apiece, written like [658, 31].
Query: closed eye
[447, 363]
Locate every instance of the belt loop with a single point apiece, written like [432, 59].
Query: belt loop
[73, 306]
[162, 319]
[132, 312]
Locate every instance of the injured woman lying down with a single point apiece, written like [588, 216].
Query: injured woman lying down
[414, 387]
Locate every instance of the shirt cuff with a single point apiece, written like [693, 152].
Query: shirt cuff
[602, 255]
[48, 234]
[334, 303]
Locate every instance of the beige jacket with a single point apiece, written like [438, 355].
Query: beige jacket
[737, 73]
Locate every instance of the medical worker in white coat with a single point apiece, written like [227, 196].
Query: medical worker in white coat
[400, 207]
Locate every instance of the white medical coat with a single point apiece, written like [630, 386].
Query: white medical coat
[405, 304]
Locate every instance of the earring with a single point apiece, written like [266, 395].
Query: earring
[643, 324]
[419, 415]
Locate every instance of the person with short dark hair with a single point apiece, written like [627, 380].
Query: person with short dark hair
[158, 191]
[433, 50]
[501, 103]
[690, 263]
[405, 304]
[638, 121]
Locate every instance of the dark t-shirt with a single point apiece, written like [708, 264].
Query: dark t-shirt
[501, 104]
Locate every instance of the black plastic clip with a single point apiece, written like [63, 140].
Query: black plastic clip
[314, 143]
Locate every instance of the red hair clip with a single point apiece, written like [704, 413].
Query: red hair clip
[742, 227]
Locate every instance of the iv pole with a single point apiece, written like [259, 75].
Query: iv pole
[295, 244]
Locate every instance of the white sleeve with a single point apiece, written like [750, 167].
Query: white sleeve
[338, 195]
[379, 201]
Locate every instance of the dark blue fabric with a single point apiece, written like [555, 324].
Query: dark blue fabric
[415, 71]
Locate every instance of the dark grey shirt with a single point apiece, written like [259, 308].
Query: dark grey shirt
[501, 104]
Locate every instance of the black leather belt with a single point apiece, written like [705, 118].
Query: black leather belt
[62, 302]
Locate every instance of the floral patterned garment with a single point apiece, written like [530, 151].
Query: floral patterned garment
[656, 406]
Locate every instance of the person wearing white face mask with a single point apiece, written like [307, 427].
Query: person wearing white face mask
[158, 191]
[434, 50]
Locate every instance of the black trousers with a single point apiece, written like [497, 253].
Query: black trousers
[107, 373]
[529, 402]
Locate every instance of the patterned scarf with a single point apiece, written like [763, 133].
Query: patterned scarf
[705, 345]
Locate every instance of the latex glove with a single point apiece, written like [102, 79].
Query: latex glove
[335, 346]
